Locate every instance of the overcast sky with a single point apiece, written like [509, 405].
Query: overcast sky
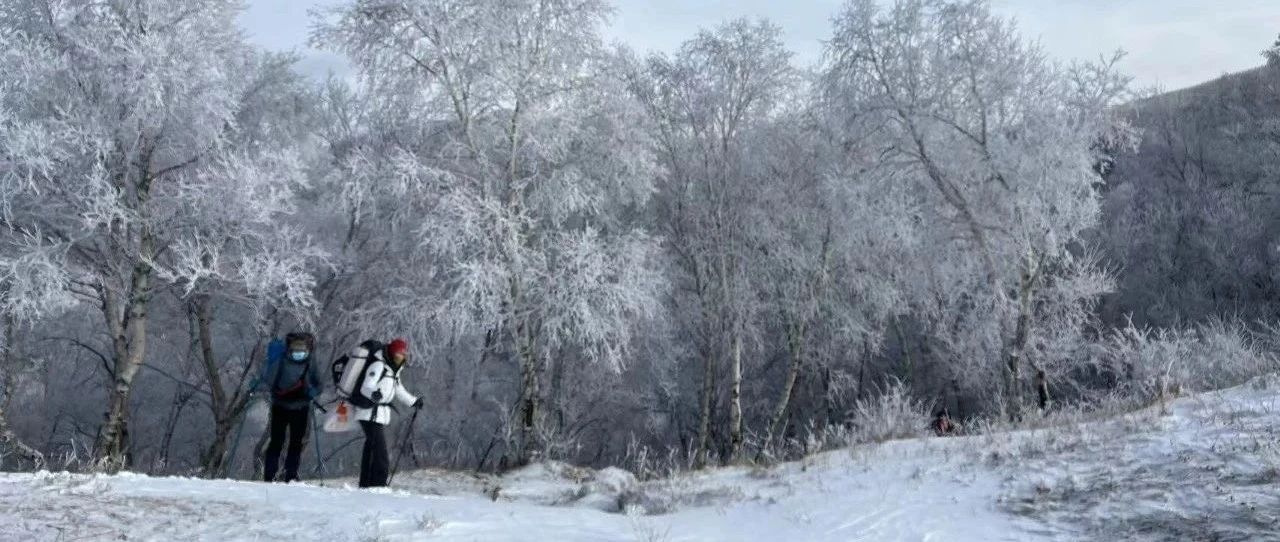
[1171, 43]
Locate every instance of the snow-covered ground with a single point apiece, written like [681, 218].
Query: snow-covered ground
[1207, 470]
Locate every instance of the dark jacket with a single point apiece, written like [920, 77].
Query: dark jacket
[292, 384]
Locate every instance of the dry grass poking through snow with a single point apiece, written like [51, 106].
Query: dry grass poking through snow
[1202, 467]
[1209, 469]
[80, 515]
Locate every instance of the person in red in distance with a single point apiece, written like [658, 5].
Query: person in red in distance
[942, 424]
[382, 385]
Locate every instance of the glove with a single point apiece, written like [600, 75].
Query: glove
[418, 404]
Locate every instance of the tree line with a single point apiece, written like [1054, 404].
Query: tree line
[712, 254]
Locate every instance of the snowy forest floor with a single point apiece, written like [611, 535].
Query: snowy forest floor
[1209, 469]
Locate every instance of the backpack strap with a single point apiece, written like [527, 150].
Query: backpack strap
[301, 384]
[386, 368]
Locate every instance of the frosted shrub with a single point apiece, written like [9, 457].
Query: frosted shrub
[556, 444]
[1228, 355]
[894, 414]
[1157, 363]
[651, 463]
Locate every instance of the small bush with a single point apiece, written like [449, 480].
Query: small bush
[1157, 364]
[894, 414]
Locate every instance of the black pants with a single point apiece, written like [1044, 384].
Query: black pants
[374, 463]
[295, 423]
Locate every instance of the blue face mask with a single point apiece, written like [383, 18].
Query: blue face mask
[297, 355]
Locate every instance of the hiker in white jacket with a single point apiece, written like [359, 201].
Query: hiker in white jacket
[382, 385]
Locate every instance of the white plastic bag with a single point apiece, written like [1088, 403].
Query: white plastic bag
[341, 419]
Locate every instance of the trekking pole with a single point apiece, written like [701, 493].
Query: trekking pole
[315, 430]
[244, 415]
[408, 434]
[231, 459]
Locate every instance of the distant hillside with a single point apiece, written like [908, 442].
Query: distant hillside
[1205, 89]
[1191, 219]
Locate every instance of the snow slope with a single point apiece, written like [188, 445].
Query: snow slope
[1207, 470]
[833, 497]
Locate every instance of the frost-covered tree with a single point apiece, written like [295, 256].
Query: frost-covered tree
[522, 176]
[1272, 54]
[246, 252]
[707, 102]
[120, 178]
[1000, 144]
[798, 249]
[834, 233]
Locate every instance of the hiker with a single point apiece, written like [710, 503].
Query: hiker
[942, 424]
[293, 384]
[382, 386]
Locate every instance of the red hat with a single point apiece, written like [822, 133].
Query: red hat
[398, 346]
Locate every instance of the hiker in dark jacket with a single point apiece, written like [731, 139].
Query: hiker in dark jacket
[293, 383]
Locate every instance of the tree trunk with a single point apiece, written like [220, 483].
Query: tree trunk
[704, 417]
[9, 370]
[708, 346]
[735, 400]
[795, 347]
[529, 372]
[129, 331]
[180, 399]
[1042, 389]
[200, 314]
[862, 368]
[1022, 333]
[491, 338]
[215, 456]
[555, 395]
[828, 402]
[958, 411]
[908, 363]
